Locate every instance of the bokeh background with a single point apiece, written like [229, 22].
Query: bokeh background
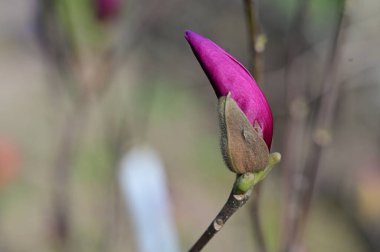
[79, 89]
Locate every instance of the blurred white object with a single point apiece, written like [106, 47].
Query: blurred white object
[143, 182]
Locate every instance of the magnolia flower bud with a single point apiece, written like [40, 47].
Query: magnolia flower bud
[227, 75]
[246, 120]
[107, 9]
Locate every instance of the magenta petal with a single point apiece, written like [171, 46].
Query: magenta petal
[107, 9]
[227, 75]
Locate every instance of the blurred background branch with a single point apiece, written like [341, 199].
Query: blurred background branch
[256, 45]
[302, 184]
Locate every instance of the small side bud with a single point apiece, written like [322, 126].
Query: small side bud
[274, 158]
[261, 42]
[243, 149]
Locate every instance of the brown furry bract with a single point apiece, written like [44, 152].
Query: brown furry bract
[243, 149]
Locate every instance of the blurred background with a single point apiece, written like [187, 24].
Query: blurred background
[85, 84]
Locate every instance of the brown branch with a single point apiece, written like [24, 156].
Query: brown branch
[302, 193]
[234, 202]
[256, 48]
[296, 124]
[61, 176]
[256, 39]
[71, 134]
[239, 195]
[325, 117]
[256, 220]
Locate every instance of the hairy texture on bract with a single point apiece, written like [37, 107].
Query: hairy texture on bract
[243, 149]
[223, 133]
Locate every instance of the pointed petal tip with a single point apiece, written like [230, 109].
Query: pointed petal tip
[191, 36]
[188, 34]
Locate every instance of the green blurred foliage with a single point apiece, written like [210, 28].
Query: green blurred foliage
[80, 23]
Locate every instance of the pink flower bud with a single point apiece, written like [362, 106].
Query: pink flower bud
[107, 9]
[227, 75]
